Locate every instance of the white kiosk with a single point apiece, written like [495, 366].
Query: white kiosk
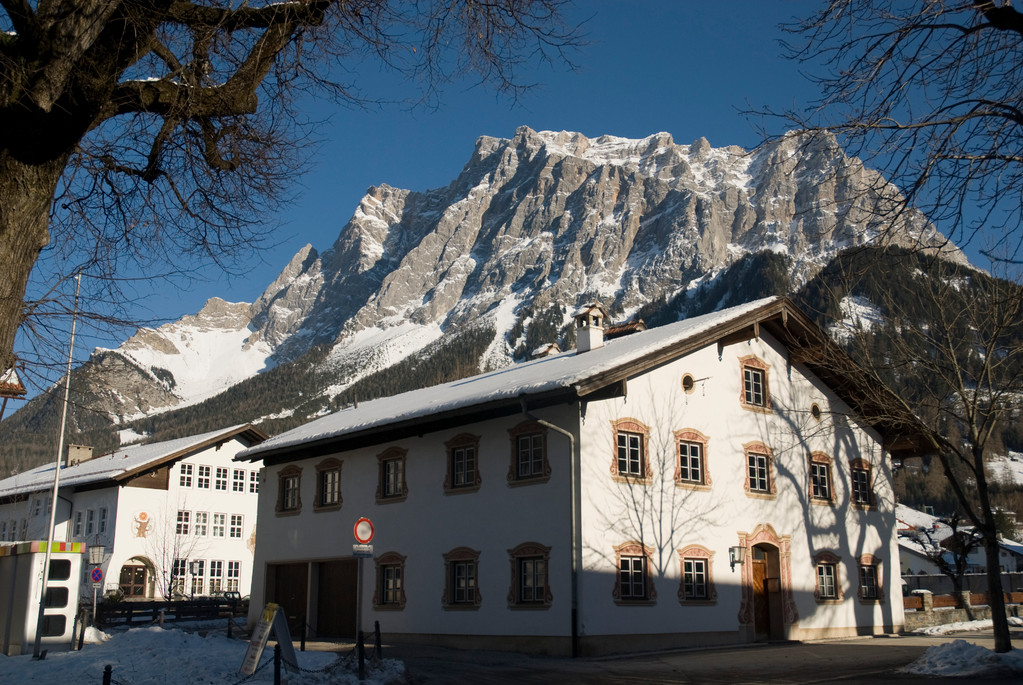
[21, 572]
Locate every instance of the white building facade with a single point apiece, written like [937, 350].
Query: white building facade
[175, 518]
[591, 502]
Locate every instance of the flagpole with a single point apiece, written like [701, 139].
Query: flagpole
[56, 474]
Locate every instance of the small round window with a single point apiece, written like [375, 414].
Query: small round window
[815, 411]
[688, 383]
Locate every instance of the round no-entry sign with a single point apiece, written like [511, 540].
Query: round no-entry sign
[97, 575]
[364, 531]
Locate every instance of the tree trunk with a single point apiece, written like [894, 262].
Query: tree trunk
[995, 597]
[26, 194]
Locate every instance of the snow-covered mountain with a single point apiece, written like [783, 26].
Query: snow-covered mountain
[539, 219]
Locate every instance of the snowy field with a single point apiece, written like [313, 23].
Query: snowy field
[155, 656]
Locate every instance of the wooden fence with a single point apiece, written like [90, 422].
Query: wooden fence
[916, 602]
[113, 613]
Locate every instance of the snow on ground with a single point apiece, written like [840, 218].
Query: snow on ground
[1007, 469]
[960, 626]
[155, 656]
[960, 658]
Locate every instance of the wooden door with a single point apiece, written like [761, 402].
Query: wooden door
[761, 600]
[335, 604]
[288, 586]
[133, 581]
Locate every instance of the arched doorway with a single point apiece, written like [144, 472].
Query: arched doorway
[766, 582]
[136, 579]
[767, 610]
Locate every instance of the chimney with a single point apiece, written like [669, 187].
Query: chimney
[589, 327]
[77, 454]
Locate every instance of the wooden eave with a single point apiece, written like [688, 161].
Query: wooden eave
[249, 432]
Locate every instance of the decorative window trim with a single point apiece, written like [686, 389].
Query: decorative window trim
[389, 560]
[861, 464]
[634, 549]
[524, 429]
[287, 472]
[529, 550]
[827, 558]
[630, 425]
[760, 448]
[697, 552]
[462, 441]
[691, 435]
[455, 556]
[829, 471]
[752, 361]
[869, 560]
[391, 454]
[329, 464]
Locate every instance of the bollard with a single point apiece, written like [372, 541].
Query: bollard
[163, 613]
[378, 650]
[230, 621]
[277, 664]
[81, 634]
[361, 647]
[107, 674]
[302, 645]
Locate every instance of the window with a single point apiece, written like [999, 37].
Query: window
[390, 585]
[688, 383]
[221, 481]
[870, 579]
[236, 525]
[103, 520]
[78, 525]
[203, 479]
[328, 485]
[184, 518]
[755, 394]
[633, 584]
[691, 468]
[238, 481]
[630, 462]
[862, 493]
[198, 570]
[820, 478]
[759, 481]
[185, 476]
[828, 582]
[178, 571]
[24, 529]
[219, 525]
[697, 586]
[463, 468]
[289, 499]
[234, 572]
[253, 482]
[3, 530]
[528, 454]
[201, 522]
[391, 485]
[37, 506]
[14, 529]
[216, 576]
[461, 589]
[90, 521]
[529, 585]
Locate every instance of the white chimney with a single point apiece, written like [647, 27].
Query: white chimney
[589, 327]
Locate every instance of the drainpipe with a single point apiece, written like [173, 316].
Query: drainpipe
[575, 514]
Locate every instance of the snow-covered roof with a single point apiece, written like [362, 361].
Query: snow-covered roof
[119, 463]
[10, 384]
[565, 373]
[911, 526]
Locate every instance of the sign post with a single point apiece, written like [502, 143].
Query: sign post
[363, 536]
[97, 582]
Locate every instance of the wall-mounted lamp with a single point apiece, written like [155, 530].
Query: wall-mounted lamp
[96, 553]
[736, 555]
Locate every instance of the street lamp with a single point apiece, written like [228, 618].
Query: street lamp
[736, 555]
[96, 553]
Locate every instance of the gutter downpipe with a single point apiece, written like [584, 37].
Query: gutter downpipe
[576, 516]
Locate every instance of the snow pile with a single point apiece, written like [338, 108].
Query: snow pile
[962, 659]
[154, 656]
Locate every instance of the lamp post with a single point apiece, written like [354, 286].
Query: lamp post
[193, 567]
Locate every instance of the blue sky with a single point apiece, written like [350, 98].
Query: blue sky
[679, 66]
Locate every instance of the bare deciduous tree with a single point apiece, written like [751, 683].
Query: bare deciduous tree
[147, 133]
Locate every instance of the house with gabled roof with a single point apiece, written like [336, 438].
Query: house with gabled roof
[176, 517]
[711, 481]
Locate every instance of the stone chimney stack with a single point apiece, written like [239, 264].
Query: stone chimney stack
[589, 327]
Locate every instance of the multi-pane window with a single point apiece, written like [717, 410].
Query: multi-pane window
[463, 466]
[198, 569]
[185, 476]
[690, 462]
[529, 455]
[12, 535]
[78, 524]
[103, 520]
[861, 486]
[24, 529]
[759, 472]
[532, 579]
[461, 586]
[694, 578]
[236, 525]
[820, 479]
[179, 568]
[753, 386]
[234, 572]
[3, 530]
[632, 577]
[328, 484]
[202, 519]
[219, 525]
[289, 498]
[203, 479]
[216, 576]
[868, 581]
[238, 481]
[90, 521]
[392, 475]
[464, 582]
[221, 480]
[253, 482]
[289, 481]
[827, 585]
[630, 454]
[390, 584]
[183, 522]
